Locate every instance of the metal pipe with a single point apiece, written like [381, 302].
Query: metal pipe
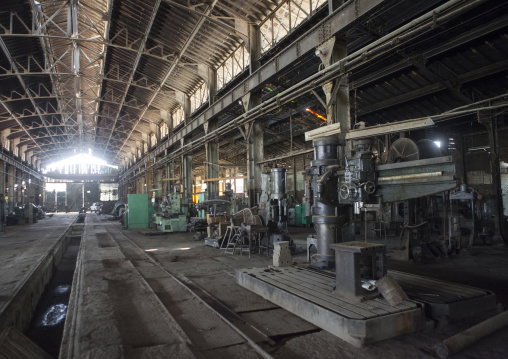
[293, 154]
[470, 336]
[411, 176]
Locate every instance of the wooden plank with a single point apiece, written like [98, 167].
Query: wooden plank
[221, 179]
[219, 219]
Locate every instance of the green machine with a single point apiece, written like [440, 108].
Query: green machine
[140, 211]
[301, 220]
[202, 197]
[172, 213]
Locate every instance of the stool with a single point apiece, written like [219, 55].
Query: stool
[254, 233]
[231, 238]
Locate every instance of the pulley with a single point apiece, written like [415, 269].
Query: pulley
[403, 150]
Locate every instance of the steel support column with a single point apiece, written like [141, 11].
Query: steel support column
[212, 86]
[170, 173]
[11, 181]
[254, 47]
[157, 183]
[337, 92]
[39, 186]
[187, 173]
[3, 166]
[253, 136]
[212, 161]
[490, 122]
[255, 153]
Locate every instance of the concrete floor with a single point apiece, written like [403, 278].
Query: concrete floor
[22, 247]
[487, 268]
[290, 337]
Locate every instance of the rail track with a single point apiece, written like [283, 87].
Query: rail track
[212, 329]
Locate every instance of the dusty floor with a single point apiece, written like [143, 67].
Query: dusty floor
[289, 336]
[487, 268]
[22, 247]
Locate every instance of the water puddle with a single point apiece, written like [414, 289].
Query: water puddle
[54, 316]
[46, 328]
[62, 289]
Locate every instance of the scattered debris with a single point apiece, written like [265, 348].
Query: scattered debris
[470, 336]
[391, 290]
[281, 254]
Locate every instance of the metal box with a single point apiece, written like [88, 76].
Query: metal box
[140, 210]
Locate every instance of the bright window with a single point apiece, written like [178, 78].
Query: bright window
[276, 27]
[286, 19]
[178, 116]
[80, 164]
[57, 187]
[239, 185]
[164, 129]
[109, 192]
[233, 65]
[6, 143]
[199, 97]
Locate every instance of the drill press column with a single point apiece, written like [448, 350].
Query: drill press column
[324, 184]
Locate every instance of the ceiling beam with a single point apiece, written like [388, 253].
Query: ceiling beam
[187, 43]
[436, 87]
[441, 48]
[25, 98]
[20, 123]
[22, 82]
[135, 64]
